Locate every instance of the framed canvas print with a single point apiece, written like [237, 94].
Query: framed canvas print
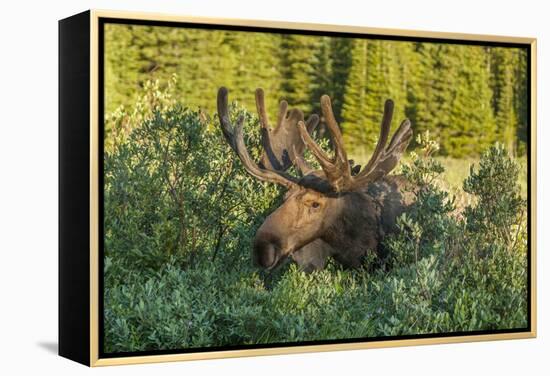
[237, 187]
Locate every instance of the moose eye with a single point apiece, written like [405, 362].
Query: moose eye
[315, 205]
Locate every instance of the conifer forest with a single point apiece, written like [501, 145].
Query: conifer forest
[468, 96]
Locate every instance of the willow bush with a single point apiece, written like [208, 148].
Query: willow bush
[180, 214]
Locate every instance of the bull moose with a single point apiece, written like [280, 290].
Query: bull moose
[340, 211]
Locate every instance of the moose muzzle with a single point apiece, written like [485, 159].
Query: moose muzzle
[267, 251]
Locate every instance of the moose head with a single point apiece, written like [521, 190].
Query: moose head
[342, 210]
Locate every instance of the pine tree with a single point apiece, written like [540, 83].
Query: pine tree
[503, 96]
[386, 67]
[122, 66]
[341, 61]
[431, 92]
[354, 112]
[208, 64]
[453, 98]
[376, 91]
[471, 111]
[399, 64]
[521, 96]
[321, 75]
[331, 65]
[297, 73]
[256, 66]
[378, 72]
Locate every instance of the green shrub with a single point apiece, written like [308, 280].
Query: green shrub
[500, 205]
[428, 224]
[174, 190]
[180, 213]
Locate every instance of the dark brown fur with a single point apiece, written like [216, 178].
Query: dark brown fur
[352, 224]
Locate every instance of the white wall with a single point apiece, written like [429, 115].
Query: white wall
[28, 184]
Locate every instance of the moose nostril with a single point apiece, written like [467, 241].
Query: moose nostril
[265, 254]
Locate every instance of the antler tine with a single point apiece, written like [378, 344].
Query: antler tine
[285, 152]
[337, 169]
[403, 132]
[260, 107]
[389, 161]
[234, 136]
[315, 149]
[223, 114]
[283, 107]
[264, 122]
[382, 139]
[388, 157]
[303, 167]
[312, 123]
[340, 156]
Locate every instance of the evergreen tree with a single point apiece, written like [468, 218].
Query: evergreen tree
[341, 61]
[399, 72]
[471, 111]
[376, 91]
[257, 65]
[503, 86]
[354, 112]
[297, 70]
[378, 72]
[431, 94]
[122, 66]
[521, 96]
[208, 64]
[321, 75]
[453, 98]
[331, 66]
[386, 68]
